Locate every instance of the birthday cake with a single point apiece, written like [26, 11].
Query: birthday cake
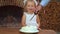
[29, 29]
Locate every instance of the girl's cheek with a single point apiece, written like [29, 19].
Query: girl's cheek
[27, 8]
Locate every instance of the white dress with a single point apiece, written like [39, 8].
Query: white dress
[30, 22]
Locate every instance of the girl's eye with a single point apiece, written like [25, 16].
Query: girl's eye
[30, 5]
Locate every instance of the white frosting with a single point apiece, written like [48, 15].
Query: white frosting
[29, 29]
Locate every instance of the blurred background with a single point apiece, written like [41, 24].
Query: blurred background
[11, 12]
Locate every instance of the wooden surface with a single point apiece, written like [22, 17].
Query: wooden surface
[16, 31]
[9, 31]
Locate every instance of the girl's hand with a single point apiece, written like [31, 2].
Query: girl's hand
[39, 28]
[37, 9]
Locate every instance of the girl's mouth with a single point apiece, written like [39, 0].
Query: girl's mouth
[31, 8]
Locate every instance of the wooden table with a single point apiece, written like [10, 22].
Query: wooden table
[16, 31]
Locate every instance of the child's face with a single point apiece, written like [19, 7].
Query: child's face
[30, 6]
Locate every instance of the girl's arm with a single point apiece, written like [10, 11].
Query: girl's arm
[41, 5]
[23, 20]
[38, 21]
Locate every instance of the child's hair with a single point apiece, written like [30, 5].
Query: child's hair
[25, 2]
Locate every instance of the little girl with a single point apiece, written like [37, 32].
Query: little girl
[27, 19]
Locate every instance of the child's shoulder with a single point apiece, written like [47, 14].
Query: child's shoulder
[25, 13]
[37, 15]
